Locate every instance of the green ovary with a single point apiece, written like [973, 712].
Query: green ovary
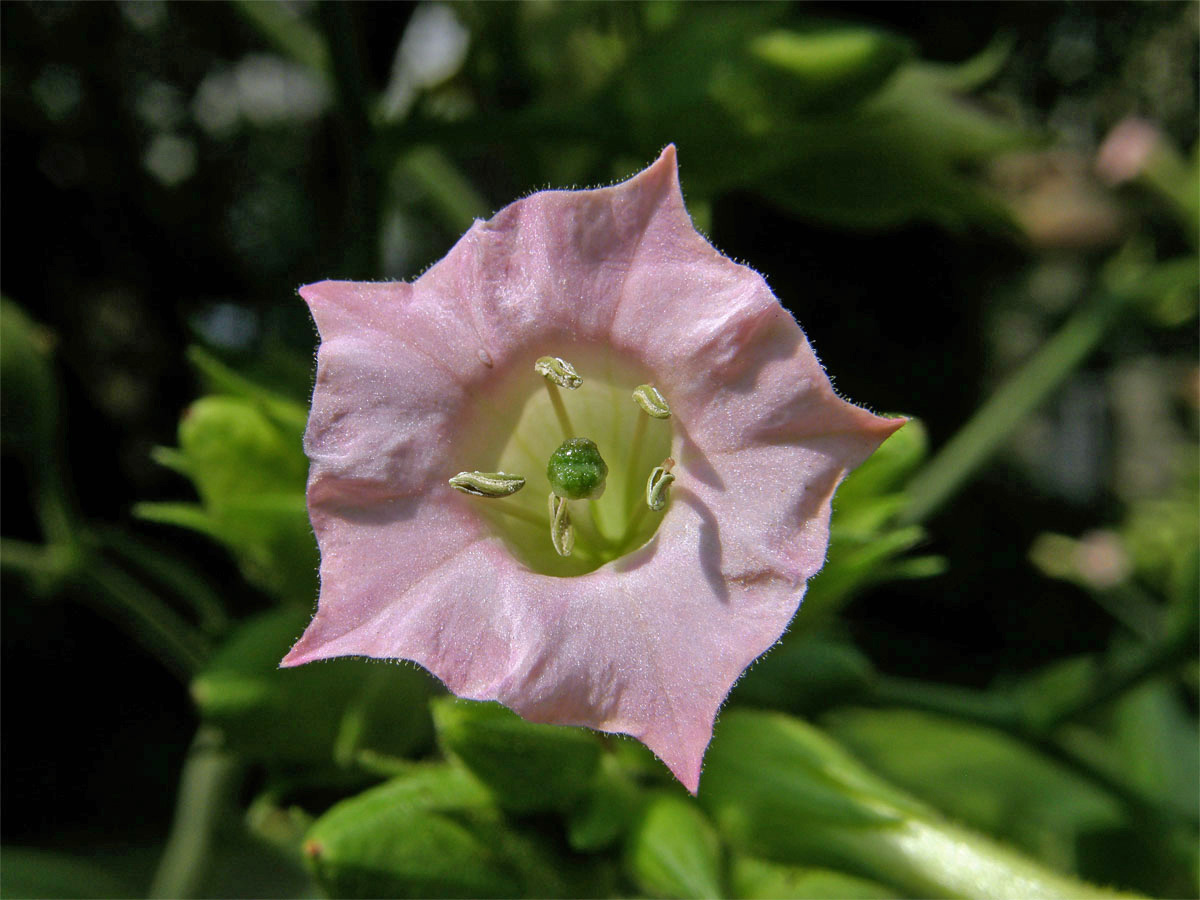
[607, 427]
[576, 470]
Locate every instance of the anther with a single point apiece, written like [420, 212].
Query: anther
[658, 482]
[562, 532]
[558, 371]
[487, 484]
[651, 401]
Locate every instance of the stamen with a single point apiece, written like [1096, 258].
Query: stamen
[558, 371]
[651, 401]
[487, 484]
[562, 533]
[656, 485]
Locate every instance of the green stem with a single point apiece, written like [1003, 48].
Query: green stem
[143, 616]
[174, 575]
[933, 858]
[1147, 662]
[453, 198]
[978, 707]
[55, 513]
[31, 560]
[149, 621]
[207, 787]
[987, 430]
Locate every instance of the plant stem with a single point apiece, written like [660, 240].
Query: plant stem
[171, 573]
[149, 621]
[1147, 662]
[987, 430]
[206, 788]
[143, 616]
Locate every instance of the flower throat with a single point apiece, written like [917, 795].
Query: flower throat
[582, 478]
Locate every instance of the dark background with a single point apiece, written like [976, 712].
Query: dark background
[126, 271]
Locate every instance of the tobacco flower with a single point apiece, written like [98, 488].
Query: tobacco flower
[627, 589]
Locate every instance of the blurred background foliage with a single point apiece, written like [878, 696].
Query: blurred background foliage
[985, 216]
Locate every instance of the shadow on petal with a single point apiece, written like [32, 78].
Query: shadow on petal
[692, 459]
[709, 546]
[361, 502]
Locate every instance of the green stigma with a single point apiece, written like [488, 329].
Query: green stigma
[576, 470]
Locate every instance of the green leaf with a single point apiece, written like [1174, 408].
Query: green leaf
[673, 851]
[250, 473]
[764, 771]
[756, 879]
[415, 836]
[780, 789]
[1158, 742]
[855, 562]
[981, 777]
[885, 470]
[29, 395]
[288, 414]
[233, 450]
[606, 812]
[804, 673]
[529, 767]
[434, 833]
[320, 713]
[832, 67]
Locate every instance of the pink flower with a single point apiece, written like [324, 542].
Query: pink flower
[645, 626]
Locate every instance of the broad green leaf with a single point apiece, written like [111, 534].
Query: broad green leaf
[1157, 740]
[411, 837]
[529, 767]
[289, 415]
[320, 713]
[673, 851]
[434, 833]
[981, 777]
[765, 772]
